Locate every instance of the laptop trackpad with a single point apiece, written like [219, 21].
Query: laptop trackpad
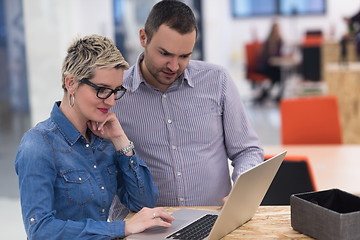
[158, 232]
[158, 229]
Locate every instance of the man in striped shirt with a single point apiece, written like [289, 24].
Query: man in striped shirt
[185, 117]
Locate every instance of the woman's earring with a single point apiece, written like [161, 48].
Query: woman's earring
[72, 100]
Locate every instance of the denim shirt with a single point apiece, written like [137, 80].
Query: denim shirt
[67, 185]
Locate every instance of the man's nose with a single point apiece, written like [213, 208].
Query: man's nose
[173, 64]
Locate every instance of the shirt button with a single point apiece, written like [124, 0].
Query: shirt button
[169, 121]
[80, 178]
[173, 147]
[103, 210]
[102, 187]
[32, 219]
[94, 166]
[87, 145]
[181, 199]
[164, 95]
[178, 173]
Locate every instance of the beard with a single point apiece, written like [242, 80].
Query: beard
[162, 76]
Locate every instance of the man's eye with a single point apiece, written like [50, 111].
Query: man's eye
[164, 53]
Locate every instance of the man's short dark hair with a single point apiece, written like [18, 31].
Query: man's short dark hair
[175, 14]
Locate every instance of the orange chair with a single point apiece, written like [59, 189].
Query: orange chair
[295, 175]
[311, 41]
[313, 38]
[310, 120]
[252, 52]
[311, 57]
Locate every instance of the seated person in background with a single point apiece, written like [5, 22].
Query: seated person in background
[186, 117]
[353, 24]
[271, 48]
[71, 166]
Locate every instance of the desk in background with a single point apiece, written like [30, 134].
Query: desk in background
[343, 81]
[334, 166]
[269, 222]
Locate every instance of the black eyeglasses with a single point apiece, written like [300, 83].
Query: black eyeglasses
[104, 92]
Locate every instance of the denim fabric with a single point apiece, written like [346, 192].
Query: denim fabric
[67, 185]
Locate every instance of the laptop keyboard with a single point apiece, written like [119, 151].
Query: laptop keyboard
[197, 230]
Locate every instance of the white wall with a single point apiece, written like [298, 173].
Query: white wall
[49, 27]
[51, 24]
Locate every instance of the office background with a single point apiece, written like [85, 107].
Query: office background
[34, 35]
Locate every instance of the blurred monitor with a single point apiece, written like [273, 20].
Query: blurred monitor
[259, 8]
[302, 7]
[253, 8]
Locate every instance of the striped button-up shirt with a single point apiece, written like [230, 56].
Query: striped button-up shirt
[187, 134]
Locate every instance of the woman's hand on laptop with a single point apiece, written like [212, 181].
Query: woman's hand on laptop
[146, 218]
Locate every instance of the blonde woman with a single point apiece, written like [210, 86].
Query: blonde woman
[72, 165]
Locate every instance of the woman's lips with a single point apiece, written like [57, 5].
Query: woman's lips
[103, 110]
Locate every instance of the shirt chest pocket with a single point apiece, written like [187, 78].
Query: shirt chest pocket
[205, 111]
[204, 119]
[78, 187]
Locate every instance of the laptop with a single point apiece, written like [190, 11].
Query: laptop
[244, 199]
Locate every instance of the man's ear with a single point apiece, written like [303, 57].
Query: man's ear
[143, 38]
[70, 84]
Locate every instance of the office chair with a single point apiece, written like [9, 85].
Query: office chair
[310, 120]
[252, 52]
[294, 176]
[311, 55]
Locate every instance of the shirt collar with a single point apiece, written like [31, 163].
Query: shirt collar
[187, 76]
[70, 133]
[134, 78]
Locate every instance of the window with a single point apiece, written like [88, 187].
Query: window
[258, 8]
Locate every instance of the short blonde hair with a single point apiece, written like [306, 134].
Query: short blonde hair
[89, 53]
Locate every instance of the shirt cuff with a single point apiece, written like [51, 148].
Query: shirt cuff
[117, 229]
[133, 160]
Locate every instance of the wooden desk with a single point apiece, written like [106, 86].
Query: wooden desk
[269, 222]
[334, 166]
